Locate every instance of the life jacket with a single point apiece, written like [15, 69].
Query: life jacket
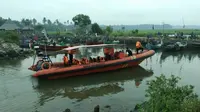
[65, 59]
[138, 44]
[106, 50]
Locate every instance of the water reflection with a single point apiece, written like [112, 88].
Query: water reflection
[83, 87]
[180, 56]
[13, 62]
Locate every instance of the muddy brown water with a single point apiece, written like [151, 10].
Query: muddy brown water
[121, 89]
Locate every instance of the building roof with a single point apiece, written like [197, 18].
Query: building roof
[8, 25]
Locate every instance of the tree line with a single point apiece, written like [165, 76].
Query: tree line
[81, 23]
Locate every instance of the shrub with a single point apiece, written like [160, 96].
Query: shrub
[166, 96]
[10, 37]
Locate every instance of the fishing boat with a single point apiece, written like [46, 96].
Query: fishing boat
[154, 45]
[195, 44]
[178, 46]
[116, 60]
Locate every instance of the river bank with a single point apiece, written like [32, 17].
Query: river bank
[118, 91]
[13, 51]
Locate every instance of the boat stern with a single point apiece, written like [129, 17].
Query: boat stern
[32, 68]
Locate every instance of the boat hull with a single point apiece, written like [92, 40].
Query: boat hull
[58, 72]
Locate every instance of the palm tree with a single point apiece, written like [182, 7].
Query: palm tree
[49, 22]
[23, 21]
[44, 20]
[57, 22]
[34, 21]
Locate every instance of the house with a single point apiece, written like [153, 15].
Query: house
[9, 26]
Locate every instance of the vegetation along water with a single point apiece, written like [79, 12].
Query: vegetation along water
[116, 91]
[122, 90]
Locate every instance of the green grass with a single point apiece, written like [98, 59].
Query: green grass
[171, 31]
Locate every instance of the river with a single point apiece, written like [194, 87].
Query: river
[115, 91]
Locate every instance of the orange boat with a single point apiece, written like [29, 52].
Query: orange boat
[117, 60]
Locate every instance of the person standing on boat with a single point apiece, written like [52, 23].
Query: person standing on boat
[70, 56]
[65, 59]
[139, 46]
[129, 51]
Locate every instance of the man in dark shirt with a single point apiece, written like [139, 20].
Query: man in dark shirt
[129, 52]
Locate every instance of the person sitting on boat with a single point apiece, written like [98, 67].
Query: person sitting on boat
[139, 46]
[65, 59]
[129, 52]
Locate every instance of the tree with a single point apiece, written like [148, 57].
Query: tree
[49, 22]
[27, 22]
[57, 22]
[109, 30]
[166, 96]
[65, 23]
[81, 20]
[39, 27]
[34, 21]
[96, 29]
[123, 28]
[136, 31]
[9, 19]
[2, 21]
[44, 20]
[23, 21]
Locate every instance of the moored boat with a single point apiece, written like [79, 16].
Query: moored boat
[85, 66]
[178, 46]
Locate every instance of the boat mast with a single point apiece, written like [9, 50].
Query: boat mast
[45, 34]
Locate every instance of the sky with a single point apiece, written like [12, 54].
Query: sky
[107, 12]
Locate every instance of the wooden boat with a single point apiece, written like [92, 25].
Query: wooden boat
[178, 46]
[195, 44]
[121, 60]
[155, 45]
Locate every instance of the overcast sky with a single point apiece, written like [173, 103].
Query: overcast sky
[108, 12]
